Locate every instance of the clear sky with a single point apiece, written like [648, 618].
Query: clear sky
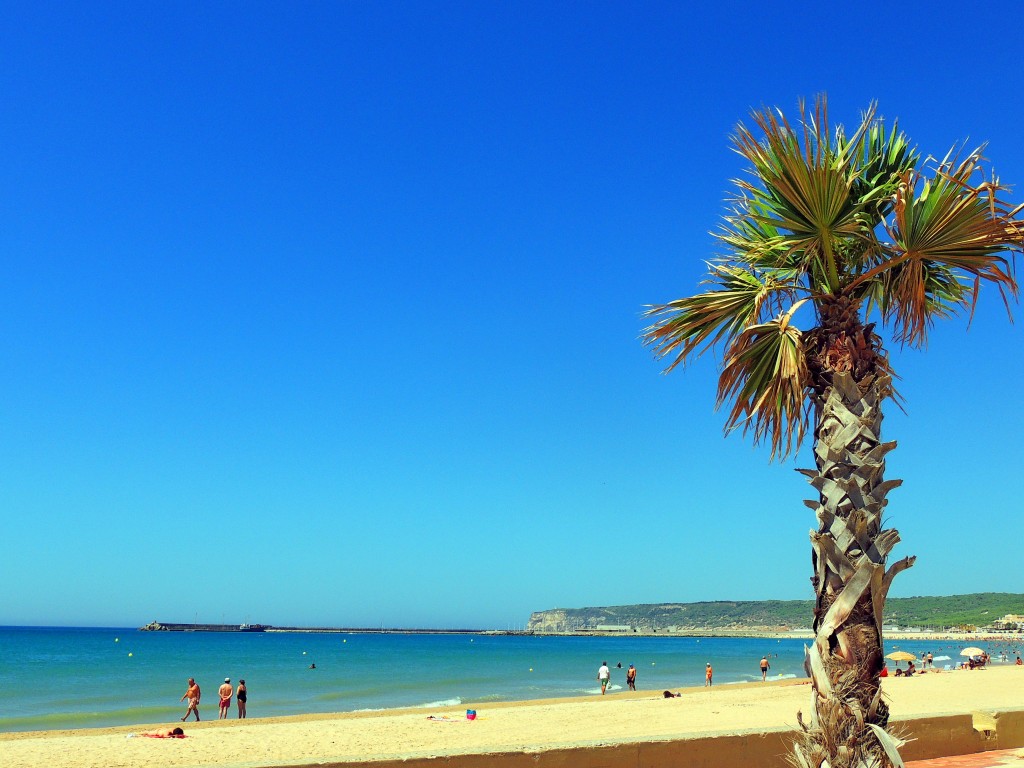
[328, 313]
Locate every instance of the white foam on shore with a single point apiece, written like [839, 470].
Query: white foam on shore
[754, 679]
[443, 703]
[611, 687]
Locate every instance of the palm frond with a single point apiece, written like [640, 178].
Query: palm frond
[942, 293]
[755, 240]
[881, 158]
[950, 234]
[764, 376]
[694, 323]
[802, 183]
[850, 223]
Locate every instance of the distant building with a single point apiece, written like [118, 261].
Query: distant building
[613, 628]
[1011, 622]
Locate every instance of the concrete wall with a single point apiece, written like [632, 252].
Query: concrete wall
[946, 735]
[927, 737]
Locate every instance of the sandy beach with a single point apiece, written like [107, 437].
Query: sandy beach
[526, 726]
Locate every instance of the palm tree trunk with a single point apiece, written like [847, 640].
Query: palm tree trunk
[849, 551]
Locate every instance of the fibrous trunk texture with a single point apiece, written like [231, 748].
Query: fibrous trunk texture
[849, 550]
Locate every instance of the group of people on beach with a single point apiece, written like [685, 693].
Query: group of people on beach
[604, 675]
[225, 692]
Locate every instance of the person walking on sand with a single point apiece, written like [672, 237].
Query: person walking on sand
[707, 675]
[765, 666]
[631, 677]
[603, 676]
[225, 692]
[241, 696]
[192, 694]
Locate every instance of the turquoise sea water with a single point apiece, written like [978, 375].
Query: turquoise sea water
[80, 678]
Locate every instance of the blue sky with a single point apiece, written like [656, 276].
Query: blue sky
[328, 313]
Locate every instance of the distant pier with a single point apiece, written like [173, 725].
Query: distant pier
[164, 626]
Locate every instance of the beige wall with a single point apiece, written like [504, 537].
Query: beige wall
[935, 736]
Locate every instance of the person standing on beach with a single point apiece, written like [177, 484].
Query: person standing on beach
[241, 696]
[765, 666]
[603, 676]
[192, 694]
[707, 675]
[631, 677]
[225, 692]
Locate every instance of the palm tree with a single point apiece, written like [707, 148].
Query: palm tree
[850, 229]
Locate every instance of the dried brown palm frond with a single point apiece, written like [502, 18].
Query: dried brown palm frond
[950, 234]
[764, 376]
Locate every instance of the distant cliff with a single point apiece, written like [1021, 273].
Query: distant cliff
[975, 610]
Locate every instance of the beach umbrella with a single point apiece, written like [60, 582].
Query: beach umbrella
[972, 652]
[901, 656]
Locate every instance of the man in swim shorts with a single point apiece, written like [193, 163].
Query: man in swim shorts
[192, 694]
[225, 692]
[603, 676]
[631, 677]
[765, 666]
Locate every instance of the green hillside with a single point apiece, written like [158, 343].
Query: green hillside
[923, 612]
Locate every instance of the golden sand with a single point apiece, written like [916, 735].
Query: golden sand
[526, 726]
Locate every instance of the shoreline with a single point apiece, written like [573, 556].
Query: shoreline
[765, 633]
[529, 726]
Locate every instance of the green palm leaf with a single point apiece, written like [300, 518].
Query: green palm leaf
[881, 158]
[804, 188]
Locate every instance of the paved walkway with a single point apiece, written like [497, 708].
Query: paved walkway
[996, 759]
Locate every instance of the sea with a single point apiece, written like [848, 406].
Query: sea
[57, 678]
